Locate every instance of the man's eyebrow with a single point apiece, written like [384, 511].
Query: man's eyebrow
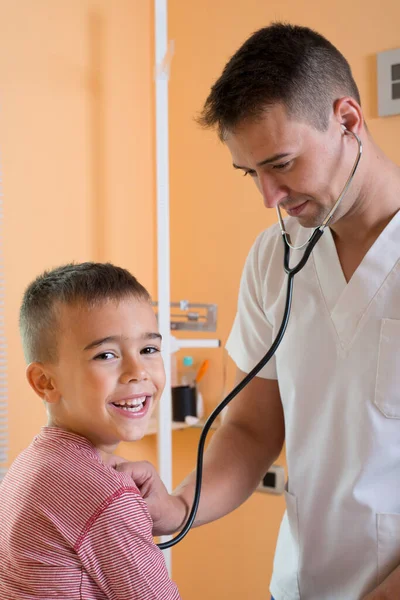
[266, 161]
[117, 338]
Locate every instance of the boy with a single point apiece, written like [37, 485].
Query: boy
[71, 526]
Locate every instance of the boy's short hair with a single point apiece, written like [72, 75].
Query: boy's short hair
[86, 283]
[282, 63]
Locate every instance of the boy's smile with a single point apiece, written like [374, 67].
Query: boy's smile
[135, 406]
[109, 374]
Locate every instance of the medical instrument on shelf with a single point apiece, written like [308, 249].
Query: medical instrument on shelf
[291, 272]
[184, 317]
[202, 370]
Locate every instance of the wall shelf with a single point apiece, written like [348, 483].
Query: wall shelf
[176, 426]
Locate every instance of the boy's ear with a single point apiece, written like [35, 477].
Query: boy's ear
[42, 382]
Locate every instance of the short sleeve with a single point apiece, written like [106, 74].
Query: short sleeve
[118, 552]
[252, 334]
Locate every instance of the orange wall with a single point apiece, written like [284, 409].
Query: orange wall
[76, 145]
[216, 215]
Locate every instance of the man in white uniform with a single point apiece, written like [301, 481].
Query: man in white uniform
[282, 106]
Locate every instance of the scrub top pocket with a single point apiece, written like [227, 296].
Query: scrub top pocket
[387, 390]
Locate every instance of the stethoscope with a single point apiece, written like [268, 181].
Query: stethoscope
[291, 272]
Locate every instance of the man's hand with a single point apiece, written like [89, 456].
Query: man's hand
[167, 511]
[112, 460]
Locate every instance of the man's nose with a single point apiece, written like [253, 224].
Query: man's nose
[272, 191]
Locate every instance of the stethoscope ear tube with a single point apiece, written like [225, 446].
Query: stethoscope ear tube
[306, 254]
[332, 211]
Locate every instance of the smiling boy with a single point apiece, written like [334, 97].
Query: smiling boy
[71, 526]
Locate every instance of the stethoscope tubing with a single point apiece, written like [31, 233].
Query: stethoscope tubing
[285, 320]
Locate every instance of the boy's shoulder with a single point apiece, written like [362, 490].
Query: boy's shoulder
[60, 480]
[72, 459]
[62, 471]
[54, 493]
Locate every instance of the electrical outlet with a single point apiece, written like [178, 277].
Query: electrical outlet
[273, 481]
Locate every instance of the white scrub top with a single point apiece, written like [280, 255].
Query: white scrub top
[338, 369]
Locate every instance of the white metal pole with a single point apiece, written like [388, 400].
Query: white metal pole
[163, 241]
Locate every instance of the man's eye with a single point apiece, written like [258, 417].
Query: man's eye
[150, 350]
[105, 356]
[282, 166]
[250, 172]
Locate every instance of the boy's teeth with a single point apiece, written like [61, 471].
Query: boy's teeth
[135, 402]
[132, 408]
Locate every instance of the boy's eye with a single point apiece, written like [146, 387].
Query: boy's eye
[150, 350]
[105, 356]
[250, 172]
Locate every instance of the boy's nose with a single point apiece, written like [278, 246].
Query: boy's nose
[134, 370]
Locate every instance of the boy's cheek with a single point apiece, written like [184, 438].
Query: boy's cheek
[160, 377]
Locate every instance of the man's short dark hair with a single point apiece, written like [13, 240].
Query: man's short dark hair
[282, 63]
[86, 283]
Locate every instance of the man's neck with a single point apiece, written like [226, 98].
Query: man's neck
[378, 200]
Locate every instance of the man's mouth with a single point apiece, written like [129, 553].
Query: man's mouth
[296, 210]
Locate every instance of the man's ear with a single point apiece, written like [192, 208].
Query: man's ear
[42, 382]
[348, 113]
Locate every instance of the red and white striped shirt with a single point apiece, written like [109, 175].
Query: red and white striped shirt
[72, 527]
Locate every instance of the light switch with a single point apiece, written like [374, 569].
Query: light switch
[388, 64]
